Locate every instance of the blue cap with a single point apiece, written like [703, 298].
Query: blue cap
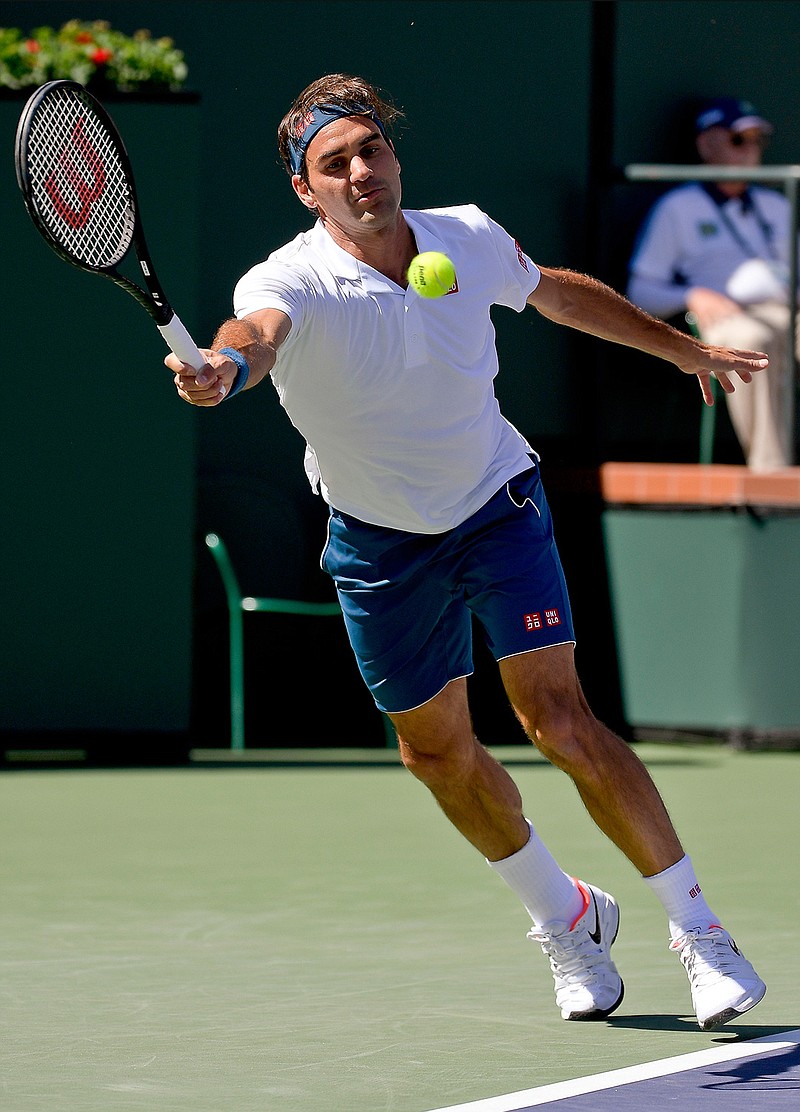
[735, 115]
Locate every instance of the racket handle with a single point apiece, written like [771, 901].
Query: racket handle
[181, 343]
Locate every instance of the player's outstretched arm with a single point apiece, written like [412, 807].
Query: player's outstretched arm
[588, 305]
[248, 346]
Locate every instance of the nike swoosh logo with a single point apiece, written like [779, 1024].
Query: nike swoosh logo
[595, 935]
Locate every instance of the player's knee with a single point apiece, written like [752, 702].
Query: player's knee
[433, 761]
[563, 733]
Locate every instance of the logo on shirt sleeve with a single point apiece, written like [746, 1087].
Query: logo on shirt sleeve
[521, 256]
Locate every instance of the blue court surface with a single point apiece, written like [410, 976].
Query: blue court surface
[762, 1074]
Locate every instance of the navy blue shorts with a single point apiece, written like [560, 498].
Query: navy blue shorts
[409, 598]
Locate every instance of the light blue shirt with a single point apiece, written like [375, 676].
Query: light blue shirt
[688, 240]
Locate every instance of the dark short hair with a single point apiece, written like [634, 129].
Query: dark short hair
[334, 88]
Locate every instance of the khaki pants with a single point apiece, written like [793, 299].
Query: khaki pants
[762, 411]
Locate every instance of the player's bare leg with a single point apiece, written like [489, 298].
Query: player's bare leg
[613, 783]
[438, 746]
[574, 923]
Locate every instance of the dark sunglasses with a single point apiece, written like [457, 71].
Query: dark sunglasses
[739, 140]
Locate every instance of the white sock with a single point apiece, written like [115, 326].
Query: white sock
[547, 892]
[679, 892]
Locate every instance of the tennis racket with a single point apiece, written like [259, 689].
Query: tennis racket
[77, 183]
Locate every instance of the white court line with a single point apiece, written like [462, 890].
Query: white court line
[529, 1098]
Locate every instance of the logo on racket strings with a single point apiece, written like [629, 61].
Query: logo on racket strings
[74, 179]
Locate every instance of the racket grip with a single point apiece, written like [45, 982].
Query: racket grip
[181, 343]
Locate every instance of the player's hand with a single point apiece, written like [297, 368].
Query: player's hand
[207, 386]
[723, 364]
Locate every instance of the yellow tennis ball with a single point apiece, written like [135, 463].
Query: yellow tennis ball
[431, 274]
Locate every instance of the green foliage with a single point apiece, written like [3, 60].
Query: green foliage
[91, 54]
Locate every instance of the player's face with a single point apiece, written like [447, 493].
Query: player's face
[353, 177]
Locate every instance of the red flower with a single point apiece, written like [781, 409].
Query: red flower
[101, 56]
[32, 46]
[83, 36]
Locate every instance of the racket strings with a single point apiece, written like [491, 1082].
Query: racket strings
[78, 181]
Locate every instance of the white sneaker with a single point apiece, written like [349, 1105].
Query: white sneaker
[588, 985]
[723, 982]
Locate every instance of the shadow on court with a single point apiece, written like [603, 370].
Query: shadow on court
[778, 1073]
[741, 1032]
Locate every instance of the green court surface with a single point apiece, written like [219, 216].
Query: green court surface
[294, 935]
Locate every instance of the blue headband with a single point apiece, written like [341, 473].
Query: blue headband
[317, 118]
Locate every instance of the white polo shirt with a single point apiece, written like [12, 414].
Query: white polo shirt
[393, 392]
[690, 240]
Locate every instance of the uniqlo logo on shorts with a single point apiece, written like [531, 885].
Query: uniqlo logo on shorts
[550, 617]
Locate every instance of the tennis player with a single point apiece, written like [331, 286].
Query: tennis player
[438, 515]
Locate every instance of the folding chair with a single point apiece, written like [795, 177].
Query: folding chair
[238, 605]
[708, 414]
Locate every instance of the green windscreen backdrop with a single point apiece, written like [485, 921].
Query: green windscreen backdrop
[112, 617]
[97, 458]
